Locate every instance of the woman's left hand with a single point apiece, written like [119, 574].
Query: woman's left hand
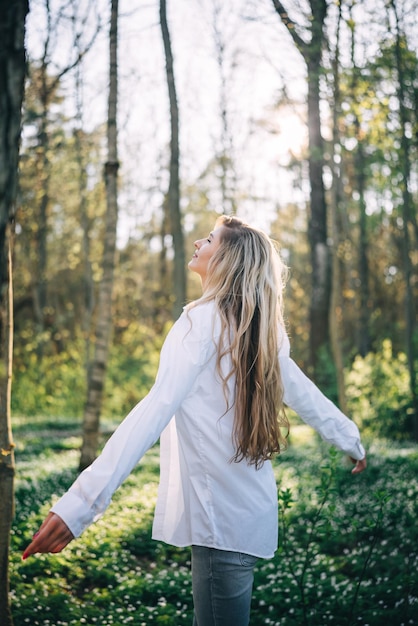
[360, 465]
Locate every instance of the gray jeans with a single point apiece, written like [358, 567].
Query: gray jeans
[222, 584]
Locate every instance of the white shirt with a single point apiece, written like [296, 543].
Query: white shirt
[203, 498]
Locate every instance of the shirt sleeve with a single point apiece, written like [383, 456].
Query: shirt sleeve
[315, 409]
[182, 357]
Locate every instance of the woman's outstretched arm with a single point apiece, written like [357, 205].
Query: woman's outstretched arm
[315, 409]
[186, 344]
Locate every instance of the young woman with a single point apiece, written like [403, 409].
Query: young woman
[225, 375]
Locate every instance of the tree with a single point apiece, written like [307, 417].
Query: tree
[173, 195]
[97, 370]
[224, 153]
[12, 72]
[82, 162]
[407, 210]
[364, 343]
[336, 304]
[310, 48]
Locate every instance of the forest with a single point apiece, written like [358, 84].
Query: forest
[139, 123]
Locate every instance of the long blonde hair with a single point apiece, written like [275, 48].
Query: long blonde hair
[245, 278]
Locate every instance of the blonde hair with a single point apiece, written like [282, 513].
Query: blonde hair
[245, 278]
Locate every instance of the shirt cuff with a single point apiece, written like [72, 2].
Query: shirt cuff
[74, 512]
[358, 452]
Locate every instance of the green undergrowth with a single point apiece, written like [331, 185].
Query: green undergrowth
[348, 550]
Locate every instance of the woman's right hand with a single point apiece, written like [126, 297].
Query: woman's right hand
[52, 536]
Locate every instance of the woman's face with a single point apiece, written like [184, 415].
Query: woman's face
[205, 249]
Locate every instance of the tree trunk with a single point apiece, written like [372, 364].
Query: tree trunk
[363, 262]
[88, 283]
[179, 270]
[336, 303]
[225, 151]
[363, 339]
[47, 91]
[97, 371]
[7, 461]
[40, 287]
[165, 279]
[407, 206]
[12, 73]
[317, 229]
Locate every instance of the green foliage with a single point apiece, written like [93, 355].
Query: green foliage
[132, 367]
[378, 393]
[347, 549]
[53, 385]
[377, 386]
[56, 384]
[322, 527]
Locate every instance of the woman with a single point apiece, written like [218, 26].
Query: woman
[225, 374]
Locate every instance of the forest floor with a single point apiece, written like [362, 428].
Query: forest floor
[348, 550]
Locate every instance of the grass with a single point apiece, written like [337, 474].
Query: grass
[348, 549]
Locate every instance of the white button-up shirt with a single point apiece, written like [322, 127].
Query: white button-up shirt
[203, 498]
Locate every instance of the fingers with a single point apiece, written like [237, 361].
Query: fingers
[52, 536]
[360, 466]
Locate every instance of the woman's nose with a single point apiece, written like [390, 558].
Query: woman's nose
[197, 243]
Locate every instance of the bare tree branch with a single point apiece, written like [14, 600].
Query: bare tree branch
[291, 27]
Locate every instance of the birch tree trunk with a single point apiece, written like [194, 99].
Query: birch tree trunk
[173, 196]
[311, 52]
[12, 73]
[97, 370]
